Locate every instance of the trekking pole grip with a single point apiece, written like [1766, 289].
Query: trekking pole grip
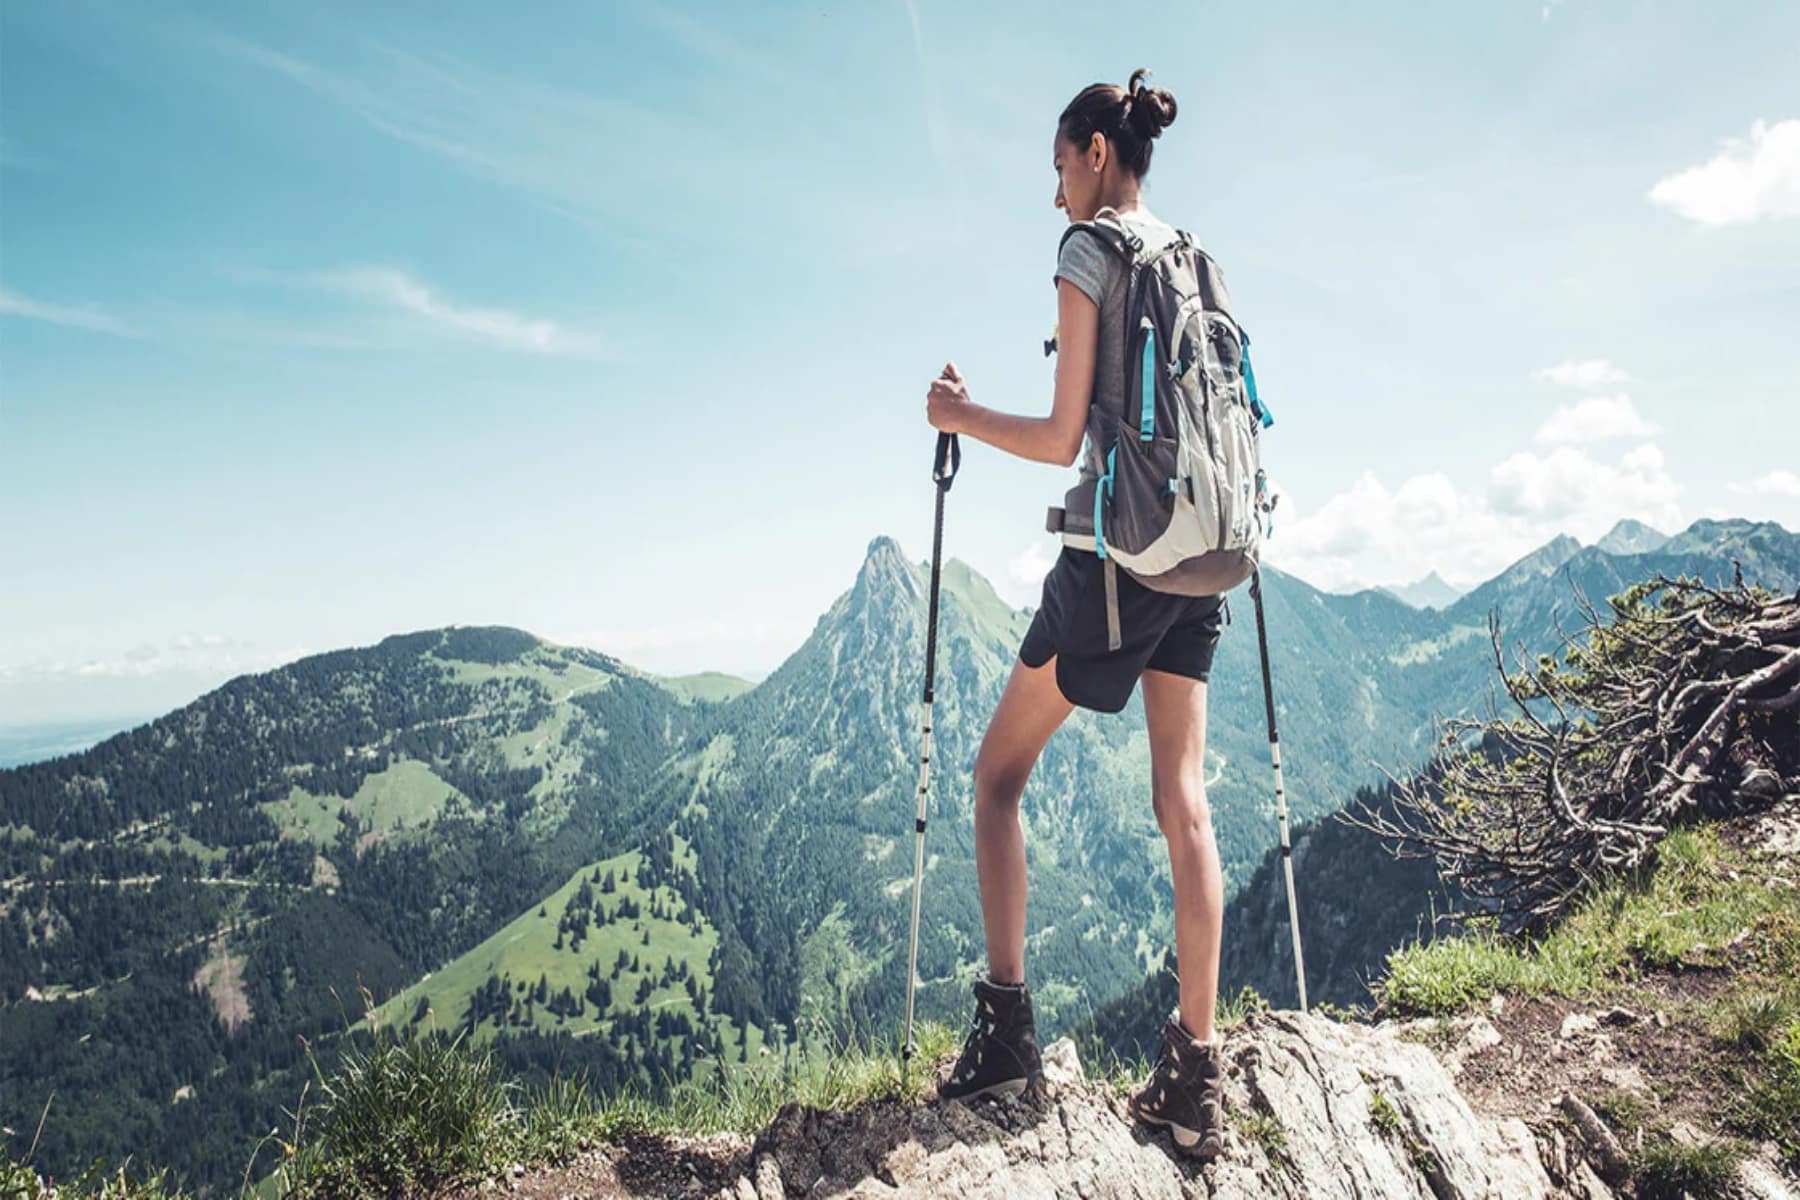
[946, 461]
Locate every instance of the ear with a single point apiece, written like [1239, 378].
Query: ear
[1097, 150]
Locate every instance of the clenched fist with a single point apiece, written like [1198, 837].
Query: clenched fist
[947, 402]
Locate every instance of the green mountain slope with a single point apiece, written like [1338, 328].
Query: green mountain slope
[204, 890]
[180, 904]
[709, 687]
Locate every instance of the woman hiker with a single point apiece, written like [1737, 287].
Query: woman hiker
[1102, 151]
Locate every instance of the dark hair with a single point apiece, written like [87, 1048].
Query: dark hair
[1129, 117]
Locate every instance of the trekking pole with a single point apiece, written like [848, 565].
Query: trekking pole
[944, 464]
[1281, 813]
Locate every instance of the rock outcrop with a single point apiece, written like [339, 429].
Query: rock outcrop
[1317, 1110]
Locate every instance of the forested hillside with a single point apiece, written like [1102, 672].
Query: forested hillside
[591, 869]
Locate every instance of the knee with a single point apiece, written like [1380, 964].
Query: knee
[999, 781]
[1180, 806]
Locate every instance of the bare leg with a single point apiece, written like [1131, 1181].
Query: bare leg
[1175, 711]
[1030, 710]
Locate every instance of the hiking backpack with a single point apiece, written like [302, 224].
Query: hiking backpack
[1183, 503]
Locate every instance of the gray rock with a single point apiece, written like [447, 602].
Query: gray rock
[1316, 1109]
[1062, 1066]
[1577, 1025]
[1762, 1181]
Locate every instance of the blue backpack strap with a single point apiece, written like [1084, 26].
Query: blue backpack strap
[1256, 405]
[1147, 383]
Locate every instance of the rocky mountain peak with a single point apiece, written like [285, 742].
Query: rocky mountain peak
[885, 574]
[1630, 536]
[1546, 558]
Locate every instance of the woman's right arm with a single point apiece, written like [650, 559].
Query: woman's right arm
[1057, 437]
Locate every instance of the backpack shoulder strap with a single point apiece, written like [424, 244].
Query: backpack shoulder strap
[1112, 234]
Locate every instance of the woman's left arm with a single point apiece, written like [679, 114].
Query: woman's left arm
[1052, 439]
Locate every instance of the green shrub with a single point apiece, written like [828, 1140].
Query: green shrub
[99, 1182]
[19, 1181]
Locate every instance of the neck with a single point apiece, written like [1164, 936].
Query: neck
[1122, 195]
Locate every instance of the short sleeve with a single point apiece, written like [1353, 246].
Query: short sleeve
[1083, 261]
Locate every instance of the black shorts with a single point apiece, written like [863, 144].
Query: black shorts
[1157, 631]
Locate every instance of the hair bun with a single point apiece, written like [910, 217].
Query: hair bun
[1150, 110]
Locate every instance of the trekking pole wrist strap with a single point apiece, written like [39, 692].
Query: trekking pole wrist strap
[946, 460]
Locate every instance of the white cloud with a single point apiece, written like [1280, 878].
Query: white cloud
[1024, 580]
[12, 304]
[1771, 496]
[1567, 485]
[1776, 483]
[682, 647]
[1372, 534]
[1596, 419]
[1750, 178]
[205, 654]
[398, 290]
[1587, 373]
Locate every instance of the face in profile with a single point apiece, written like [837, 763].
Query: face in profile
[1077, 183]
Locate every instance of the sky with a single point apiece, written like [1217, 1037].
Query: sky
[613, 320]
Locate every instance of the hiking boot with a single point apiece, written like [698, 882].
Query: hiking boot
[1185, 1091]
[1000, 1056]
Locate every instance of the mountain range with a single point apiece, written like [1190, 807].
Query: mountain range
[583, 865]
[1429, 592]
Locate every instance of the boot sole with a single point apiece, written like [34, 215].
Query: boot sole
[1006, 1087]
[1188, 1141]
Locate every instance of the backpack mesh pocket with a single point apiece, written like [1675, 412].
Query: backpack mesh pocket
[1141, 499]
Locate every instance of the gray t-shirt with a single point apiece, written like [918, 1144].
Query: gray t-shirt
[1097, 270]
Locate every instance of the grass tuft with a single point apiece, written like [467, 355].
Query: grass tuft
[99, 1182]
[1751, 1019]
[1666, 1169]
[1770, 1105]
[1264, 1130]
[1685, 910]
[403, 1116]
[1383, 1115]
